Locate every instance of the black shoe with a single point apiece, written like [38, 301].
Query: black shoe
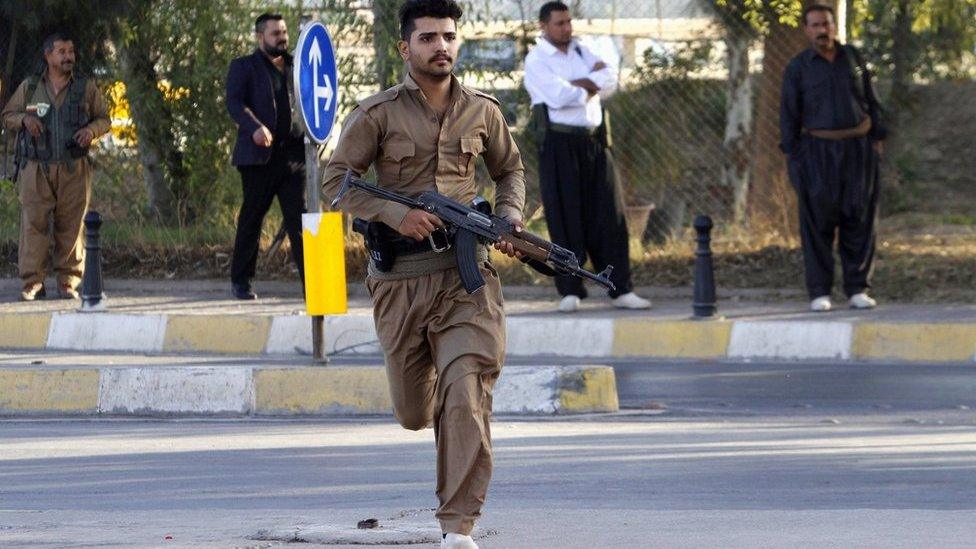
[243, 291]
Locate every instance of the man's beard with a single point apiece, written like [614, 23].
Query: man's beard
[277, 50]
[65, 67]
[560, 43]
[433, 71]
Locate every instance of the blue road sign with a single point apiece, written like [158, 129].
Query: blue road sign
[316, 80]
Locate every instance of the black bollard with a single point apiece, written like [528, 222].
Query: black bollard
[92, 298]
[704, 304]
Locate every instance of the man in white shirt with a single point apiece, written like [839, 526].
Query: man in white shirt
[580, 194]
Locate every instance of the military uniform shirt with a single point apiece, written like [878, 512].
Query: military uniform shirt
[412, 150]
[16, 108]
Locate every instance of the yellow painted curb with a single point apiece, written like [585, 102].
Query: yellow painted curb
[591, 389]
[226, 334]
[46, 391]
[676, 339]
[316, 390]
[24, 330]
[919, 342]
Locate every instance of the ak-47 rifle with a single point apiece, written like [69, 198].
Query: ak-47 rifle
[467, 226]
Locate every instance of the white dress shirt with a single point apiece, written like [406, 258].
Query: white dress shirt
[548, 72]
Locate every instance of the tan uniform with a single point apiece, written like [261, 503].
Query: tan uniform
[444, 348]
[54, 190]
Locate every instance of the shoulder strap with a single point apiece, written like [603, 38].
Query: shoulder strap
[858, 71]
[487, 96]
[379, 98]
[32, 82]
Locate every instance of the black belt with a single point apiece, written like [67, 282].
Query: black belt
[438, 241]
[573, 130]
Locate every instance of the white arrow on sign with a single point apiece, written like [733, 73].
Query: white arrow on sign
[318, 92]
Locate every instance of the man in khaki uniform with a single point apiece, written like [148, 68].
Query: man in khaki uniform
[444, 348]
[61, 114]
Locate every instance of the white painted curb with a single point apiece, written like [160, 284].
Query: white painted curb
[532, 390]
[581, 337]
[107, 332]
[791, 340]
[183, 391]
[351, 334]
[290, 335]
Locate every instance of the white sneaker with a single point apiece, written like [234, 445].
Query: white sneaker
[821, 305]
[458, 541]
[569, 304]
[630, 300]
[863, 301]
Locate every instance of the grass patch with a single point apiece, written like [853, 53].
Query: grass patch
[914, 264]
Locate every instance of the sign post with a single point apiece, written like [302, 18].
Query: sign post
[317, 94]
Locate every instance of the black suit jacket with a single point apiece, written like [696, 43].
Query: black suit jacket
[251, 103]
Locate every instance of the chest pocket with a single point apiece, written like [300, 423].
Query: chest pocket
[816, 92]
[471, 148]
[398, 155]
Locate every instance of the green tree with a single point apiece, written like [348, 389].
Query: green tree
[386, 34]
[173, 55]
[25, 23]
[912, 39]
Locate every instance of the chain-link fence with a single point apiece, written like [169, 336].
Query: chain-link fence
[695, 120]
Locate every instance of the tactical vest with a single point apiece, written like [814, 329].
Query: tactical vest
[57, 143]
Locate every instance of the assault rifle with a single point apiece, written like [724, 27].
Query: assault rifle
[468, 226]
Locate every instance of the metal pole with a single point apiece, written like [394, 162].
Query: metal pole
[704, 303]
[314, 205]
[92, 298]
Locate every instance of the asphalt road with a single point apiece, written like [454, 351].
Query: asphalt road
[707, 455]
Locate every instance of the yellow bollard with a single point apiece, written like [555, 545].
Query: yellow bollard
[325, 264]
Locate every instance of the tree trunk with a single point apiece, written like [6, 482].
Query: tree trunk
[161, 160]
[772, 203]
[849, 11]
[385, 38]
[6, 84]
[902, 53]
[738, 121]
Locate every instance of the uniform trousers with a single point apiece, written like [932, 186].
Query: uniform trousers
[837, 185]
[584, 209]
[281, 177]
[53, 195]
[444, 351]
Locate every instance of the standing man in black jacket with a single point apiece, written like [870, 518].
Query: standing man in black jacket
[270, 151]
[832, 133]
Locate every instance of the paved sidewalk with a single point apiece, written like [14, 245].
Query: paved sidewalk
[199, 317]
[211, 297]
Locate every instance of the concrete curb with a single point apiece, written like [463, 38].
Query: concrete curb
[528, 336]
[278, 391]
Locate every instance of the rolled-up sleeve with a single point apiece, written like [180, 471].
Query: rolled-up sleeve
[358, 144]
[16, 108]
[547, 87]
[504, 163]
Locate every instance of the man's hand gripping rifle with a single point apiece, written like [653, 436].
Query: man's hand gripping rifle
[468, 226]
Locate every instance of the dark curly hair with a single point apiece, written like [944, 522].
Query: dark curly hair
[411, 10]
